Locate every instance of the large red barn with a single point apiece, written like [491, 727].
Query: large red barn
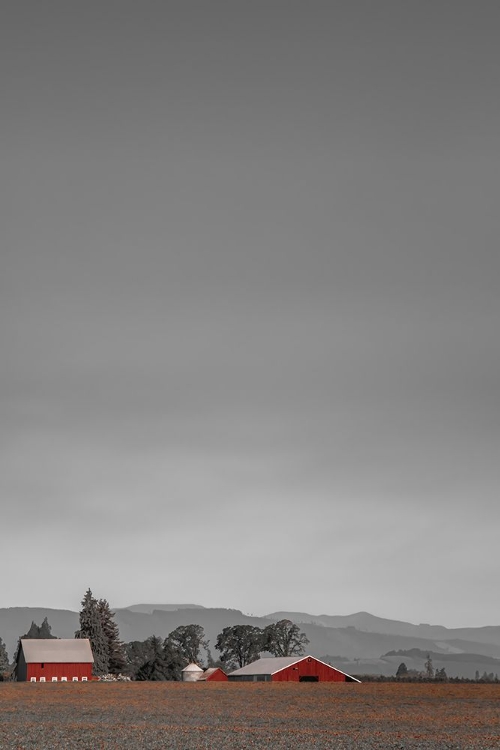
[54, 660]
[290, 669]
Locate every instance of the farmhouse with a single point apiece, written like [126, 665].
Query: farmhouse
[289, 669]
[54, 660]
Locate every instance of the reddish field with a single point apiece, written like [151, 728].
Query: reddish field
[224, 715]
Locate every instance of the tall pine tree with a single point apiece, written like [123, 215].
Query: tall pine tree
[91, 627]
[116, 648]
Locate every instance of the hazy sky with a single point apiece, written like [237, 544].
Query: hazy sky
[249, 305]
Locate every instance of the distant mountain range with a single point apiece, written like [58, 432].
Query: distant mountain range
[359, 643]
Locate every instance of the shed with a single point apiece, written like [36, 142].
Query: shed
[191, 673]
[213, 674]
[290, 669]
[54, 660]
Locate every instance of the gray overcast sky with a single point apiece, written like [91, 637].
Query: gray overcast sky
[249, 309]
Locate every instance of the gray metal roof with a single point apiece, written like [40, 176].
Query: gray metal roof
[57, 650]
[273, 664]
[269, 665]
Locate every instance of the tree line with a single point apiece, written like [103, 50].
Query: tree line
[164, 659]
[430, 674]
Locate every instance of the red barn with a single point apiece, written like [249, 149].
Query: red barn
[290, 669]
[54, 660]
[213, 674]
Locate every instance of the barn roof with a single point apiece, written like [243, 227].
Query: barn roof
[273, 664]
[269, 665]
[57, 650]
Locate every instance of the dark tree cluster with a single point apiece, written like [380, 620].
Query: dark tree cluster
[188, 641]
[154, 660]
[242, 644]
[159, 660]
[283, 638]
[4, 661]
[429, 673]
[39, 631]
[412, 675]
[489, 677]
[36, 631]
[239, 645]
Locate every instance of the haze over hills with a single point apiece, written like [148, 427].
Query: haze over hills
[371, 624]
[361, 643]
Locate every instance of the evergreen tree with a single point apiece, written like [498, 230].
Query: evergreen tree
[283, 638]
[91, 627]
[116, 649]
[36, 631]
[45, 631]
[33, 632]
[402, 670]
[429, 669]
[154, 667]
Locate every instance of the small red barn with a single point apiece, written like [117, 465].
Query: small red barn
[213, 674]
[290, 669]
[54, 660]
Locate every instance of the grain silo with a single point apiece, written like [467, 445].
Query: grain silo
[191, 673]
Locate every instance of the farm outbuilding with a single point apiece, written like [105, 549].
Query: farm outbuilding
[290, 669]
[213, 674]
[54, 660]
[194, 673]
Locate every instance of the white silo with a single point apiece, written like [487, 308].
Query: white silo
[191, 673]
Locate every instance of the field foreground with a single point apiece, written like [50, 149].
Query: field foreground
[257, 716]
